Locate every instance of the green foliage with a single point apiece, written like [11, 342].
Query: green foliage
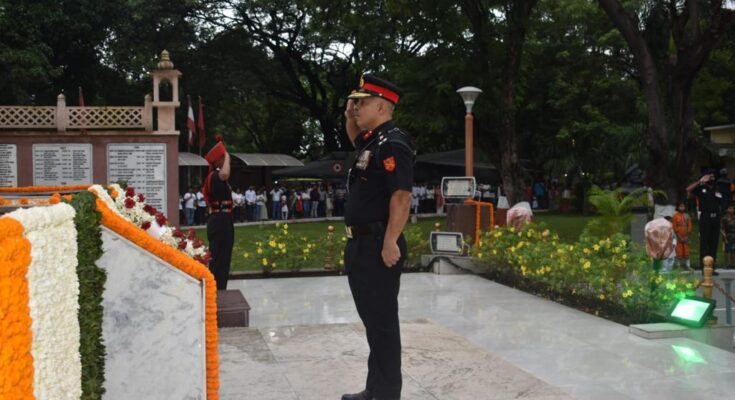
[615, 209]
[91, 287]
[417, 243]
[610, 270]
[283, 250]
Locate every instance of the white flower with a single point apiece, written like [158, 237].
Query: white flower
[53, 300]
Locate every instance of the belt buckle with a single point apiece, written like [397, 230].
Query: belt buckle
[348, 232]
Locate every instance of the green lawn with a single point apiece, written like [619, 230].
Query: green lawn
[568, 226]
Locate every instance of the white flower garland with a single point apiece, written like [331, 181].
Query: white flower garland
[53, 300]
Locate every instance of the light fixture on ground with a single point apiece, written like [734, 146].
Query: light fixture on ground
[692, 311]
[447, 243]
[469, 95]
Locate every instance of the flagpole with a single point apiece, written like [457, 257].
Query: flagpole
[200, 129]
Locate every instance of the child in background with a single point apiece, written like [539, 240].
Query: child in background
[682, 223]
[284, 207]
[728, 232]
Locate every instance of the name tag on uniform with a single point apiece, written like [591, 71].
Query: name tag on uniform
[363, 160]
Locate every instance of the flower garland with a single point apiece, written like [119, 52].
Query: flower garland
[16, 361]
[132, 207]
[36, 189]
[53, 199]
[53, 289]
[127, 229]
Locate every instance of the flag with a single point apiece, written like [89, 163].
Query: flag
[82, 112]
[200, 125]
[190, 122]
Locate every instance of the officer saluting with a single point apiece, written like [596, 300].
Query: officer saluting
[379, 185]
[220, 228]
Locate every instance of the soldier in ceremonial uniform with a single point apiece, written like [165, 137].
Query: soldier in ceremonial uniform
[710, 212]
[220, 228]
[378, 201]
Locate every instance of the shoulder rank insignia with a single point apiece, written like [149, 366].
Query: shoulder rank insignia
[389, 164]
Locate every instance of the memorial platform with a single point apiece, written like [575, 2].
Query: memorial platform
[320, 362]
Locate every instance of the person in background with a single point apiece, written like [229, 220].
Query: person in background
[260, 204]
[430, 202]
[314, 198]
[284, 207]
[250, 198]
[329, 202]
[238, 201]
[682, 224]
[201, 212]
[190, 205]
[182, 216]
[728, 232]
[322, 201]
[276, 202]
[710, 207]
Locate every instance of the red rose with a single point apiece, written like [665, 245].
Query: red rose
[129, 203]
[182, 244]
[191, 235]
[150, 209]
[178, 233]
[198, 243]
[161, 219]
[141, 198]
[145, 225]
[130, 191]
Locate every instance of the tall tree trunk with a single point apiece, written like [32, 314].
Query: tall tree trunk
[517, 16]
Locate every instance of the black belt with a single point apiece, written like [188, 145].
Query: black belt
[371, 229]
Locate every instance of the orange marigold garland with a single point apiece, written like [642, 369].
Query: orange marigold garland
[16, 362]
[187, 265]
[478, 215]
[36, 189]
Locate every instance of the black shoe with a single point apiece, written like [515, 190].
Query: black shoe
[364, 395]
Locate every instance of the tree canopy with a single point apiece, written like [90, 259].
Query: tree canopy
[567, 84]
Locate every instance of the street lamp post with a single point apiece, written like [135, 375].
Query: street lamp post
[469, 94]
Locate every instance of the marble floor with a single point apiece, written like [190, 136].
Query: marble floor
[317, 362]
[585, 356]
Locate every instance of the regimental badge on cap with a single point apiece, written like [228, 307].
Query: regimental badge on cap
[372, 86]
[389, 164]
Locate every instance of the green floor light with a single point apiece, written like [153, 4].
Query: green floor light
[688, 354]
[692, 311]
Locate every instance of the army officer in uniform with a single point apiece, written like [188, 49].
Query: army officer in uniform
[379, 197]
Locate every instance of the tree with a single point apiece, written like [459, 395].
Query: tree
[615, 209]
[669, 42]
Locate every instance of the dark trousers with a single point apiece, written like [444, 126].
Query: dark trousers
[709, 236]
[221, 236]
[375, 292]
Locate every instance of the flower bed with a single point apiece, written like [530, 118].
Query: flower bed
[608, 275]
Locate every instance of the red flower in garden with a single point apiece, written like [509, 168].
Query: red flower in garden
[130, 191]
[129, 203]
[141, 198]
[145, 225]
[161, 219]
[191, 235]
[182, 245]
[178, 233]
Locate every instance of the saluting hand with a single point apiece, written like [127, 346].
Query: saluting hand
[350, 110]
[391, 254]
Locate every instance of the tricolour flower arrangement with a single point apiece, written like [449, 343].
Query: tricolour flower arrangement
[47, 296]
[48, 348]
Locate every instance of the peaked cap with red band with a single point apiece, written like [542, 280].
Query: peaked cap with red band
[372, 86]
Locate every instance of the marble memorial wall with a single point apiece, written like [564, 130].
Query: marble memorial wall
[153, 326]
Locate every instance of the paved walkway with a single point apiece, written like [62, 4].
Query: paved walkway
[585, 356]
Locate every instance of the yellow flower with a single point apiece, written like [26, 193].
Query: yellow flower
[285, 226]
[281, 245]
[278, 224]
[259, 251]
[283, 251]
[341, 262]
[625, 256]
[495, 252]
[265, 261]
[306, 251]
[247, 255]
[627, 293]
[520, 244]
[623, 243]
[545, 233]
[602, 296]
[479, 255]
[512, 229]
[530, 233]
[272, 243]
[571, 248]
[344, 238]
[596, 247]
[512, 249]
[273, 265]
[587, 264]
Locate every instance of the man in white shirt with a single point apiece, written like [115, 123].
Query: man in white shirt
[276, 202]
[201, 212]
[250, 198]
[189, 206]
